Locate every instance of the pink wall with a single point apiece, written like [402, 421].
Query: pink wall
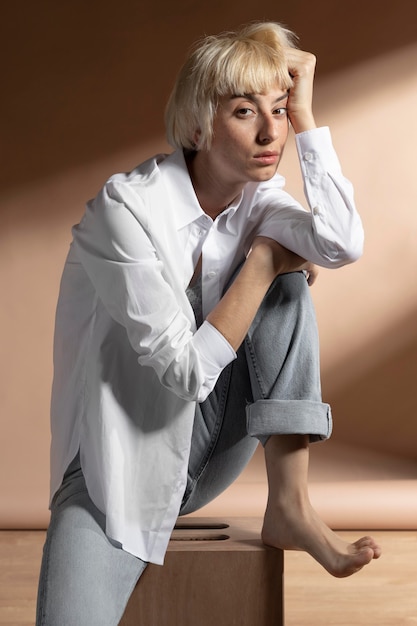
[83, 96]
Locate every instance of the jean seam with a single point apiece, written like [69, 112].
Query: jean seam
[40, 612]
[251, 353]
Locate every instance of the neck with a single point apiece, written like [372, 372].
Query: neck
[213, 196]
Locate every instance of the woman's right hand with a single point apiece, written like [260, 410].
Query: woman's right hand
[301, 66]
[274, 259]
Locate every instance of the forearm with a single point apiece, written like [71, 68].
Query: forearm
[235, 312]
[337, 227]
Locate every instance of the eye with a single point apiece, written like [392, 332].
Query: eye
[282, 111]
[244, 112]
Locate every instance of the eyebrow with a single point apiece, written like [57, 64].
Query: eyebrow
[253, 98]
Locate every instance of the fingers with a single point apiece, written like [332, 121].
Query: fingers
[284, 260]
[300, 63]
[311, 272]
[301, 66]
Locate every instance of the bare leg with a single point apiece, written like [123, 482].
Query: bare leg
[290, 521]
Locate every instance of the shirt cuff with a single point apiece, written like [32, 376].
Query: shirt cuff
[215, 352]
[316, 152]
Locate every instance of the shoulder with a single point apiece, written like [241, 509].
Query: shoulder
[145, 174]
[130, 190]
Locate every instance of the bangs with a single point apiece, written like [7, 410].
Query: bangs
[247, 67]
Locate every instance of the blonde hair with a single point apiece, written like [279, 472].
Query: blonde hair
[250, 60]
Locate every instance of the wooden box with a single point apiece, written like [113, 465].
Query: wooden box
[216, 573]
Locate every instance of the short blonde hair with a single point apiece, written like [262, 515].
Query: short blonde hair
[250, 60]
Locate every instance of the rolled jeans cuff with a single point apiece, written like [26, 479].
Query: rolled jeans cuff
[289, 417]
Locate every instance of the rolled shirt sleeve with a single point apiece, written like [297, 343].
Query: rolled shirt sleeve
[215, 353]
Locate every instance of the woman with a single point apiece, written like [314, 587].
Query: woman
[185, 332]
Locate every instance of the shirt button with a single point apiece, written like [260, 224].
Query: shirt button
[316, 210]
[308, 156]
[211, 274]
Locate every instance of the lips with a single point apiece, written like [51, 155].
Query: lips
[267, 158]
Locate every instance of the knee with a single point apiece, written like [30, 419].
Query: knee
[289, 289]
[286, 309]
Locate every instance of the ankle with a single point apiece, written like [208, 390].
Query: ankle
[286, 501]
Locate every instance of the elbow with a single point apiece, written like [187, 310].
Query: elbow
[354, 249]
[191, 386]
[187, 387]
[186, 380]
[347, 251]
[347, 256]
[339, 256]
[352, 253]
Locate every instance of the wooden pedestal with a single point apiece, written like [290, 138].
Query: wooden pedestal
[217, 572]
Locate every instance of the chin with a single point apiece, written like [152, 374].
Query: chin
[264, 175]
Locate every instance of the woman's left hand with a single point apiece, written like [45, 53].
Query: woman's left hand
[301, 66]
[311, 272]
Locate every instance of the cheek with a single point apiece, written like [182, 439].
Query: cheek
[285, 131]
[229, 140]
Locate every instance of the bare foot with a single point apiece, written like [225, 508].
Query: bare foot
[306, 531]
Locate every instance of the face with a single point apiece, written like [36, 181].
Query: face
[250, 133]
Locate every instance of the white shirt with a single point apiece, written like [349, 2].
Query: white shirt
[129, 362]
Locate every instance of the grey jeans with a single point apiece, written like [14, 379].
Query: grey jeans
[273, 387]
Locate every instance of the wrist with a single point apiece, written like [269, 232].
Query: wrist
[303, 123]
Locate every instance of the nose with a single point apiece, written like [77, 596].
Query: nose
[268, 131]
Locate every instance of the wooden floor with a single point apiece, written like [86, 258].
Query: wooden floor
[384, 594]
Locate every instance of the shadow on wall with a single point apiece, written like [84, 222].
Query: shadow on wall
[85, 79]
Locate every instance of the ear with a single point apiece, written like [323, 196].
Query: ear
[196, 137]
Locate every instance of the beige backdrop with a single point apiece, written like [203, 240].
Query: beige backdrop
[84, 86]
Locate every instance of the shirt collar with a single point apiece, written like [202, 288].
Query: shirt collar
[179, 186]
[187, 208]
[228, 214]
